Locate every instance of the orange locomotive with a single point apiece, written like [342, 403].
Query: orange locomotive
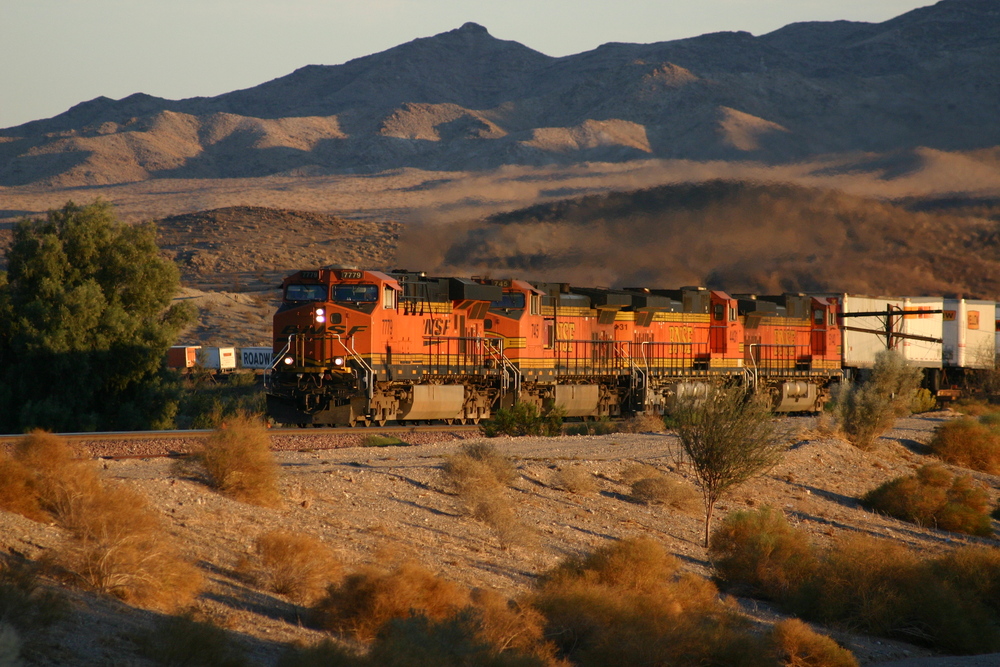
[356, 347]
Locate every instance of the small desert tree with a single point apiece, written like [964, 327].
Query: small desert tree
[729, 437]
[868, 410]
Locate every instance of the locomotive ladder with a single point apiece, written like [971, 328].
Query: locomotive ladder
[509, 373]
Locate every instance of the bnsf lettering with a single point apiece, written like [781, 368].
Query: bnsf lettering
[681, 334]
[436, 327]
[565, 330]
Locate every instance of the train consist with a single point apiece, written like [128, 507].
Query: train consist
[358, 347]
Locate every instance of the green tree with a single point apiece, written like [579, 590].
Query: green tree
[729, 437]
[869, 410]
[85, 321]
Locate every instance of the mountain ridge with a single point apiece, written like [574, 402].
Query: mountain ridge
[464, 99]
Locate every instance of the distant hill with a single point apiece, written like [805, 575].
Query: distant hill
[736, 236]
[465, 100]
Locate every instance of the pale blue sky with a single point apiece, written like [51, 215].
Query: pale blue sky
[57, 53]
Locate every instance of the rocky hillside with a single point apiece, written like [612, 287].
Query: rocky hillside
[737, 236]
[465, 100]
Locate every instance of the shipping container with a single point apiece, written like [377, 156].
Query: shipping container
[255, 357]
[218, 358]
[927, 324]
[182, 356]
[969, 334]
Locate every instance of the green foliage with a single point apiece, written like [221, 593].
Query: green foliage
[602, 426]
[207, 402]
[381, 441]
[729, 437]
[923, 401]
[934, 497]
[523, 419]
[867, 411]
[85, 322]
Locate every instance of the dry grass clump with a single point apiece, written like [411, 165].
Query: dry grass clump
[867, 411]
[371, 596]
[637, 471]
[795, 644]
[575, 479]
[183, 640]
[17, 490]
[645, 423]
[968, 443]
[628, 604]
[293, 564]
[934, 497]
[759, 551]
[238, 460]
[951, 603]
[118, 545]
[661, 490]
[479, 474]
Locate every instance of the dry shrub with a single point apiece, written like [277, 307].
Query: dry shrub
[797, 645]
[239, 463]
[118, 544]
[645, 423]
[869, 410]
[760, 551]
[637, 471]
[661, 490]
[17, 490]
[299, 566]
[480, 475]
[933, 497]
[507, 625]
[122, 549]
[969, 444]
[627, 604]
[183, 640]
[371, 596]
[575, 479]
[24, 603]
[863, 583]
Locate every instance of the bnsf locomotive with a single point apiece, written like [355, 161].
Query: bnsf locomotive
[359, 347]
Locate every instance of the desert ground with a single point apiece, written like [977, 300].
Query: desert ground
[386, 504]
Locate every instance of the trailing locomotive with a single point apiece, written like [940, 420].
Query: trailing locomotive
[357, 347]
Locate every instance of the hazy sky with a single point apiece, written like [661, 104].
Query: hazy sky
[57, 53]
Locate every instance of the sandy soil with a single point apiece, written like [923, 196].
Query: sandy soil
[387, 503]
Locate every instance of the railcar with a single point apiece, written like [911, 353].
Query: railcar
[356, 347]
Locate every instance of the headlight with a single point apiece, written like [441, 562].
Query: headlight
[289, 361]
[320, 311]
[320, 317]
[338, 361]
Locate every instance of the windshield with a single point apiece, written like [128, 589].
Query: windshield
[509, 300]
[305, 293]
[355, 293]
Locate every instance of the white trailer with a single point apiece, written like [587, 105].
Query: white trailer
[869, 321]
[969, 334]
[218, 358]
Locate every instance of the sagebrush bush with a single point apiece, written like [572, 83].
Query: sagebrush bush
[759, 551]
[118, 546]
[795, 644]
[183, 640]
[575, 479]
[628, 604]
[296, 565]
[661, 490]
[636, 471]
[238, 460]
[968, 443]
[867, 411]
[923, 401]
[644, 423]
[371, 596]
[17, 490]
[479, 460]
[479, 475]
[523, 419]
[935, 498]
[509, 625]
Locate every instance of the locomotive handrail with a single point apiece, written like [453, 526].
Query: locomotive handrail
[364, 364]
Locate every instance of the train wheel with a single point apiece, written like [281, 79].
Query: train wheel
[303, 425]
[381, 422]
[449, 422]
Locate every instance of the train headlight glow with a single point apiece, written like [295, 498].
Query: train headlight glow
[288, 361]
[338, 361]
[320, 311]
[320, 318]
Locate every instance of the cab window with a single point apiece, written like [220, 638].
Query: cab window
[305, 293]
[818, 317]
[510, 300]
[388, 298]
[719, 312]
[355, 293]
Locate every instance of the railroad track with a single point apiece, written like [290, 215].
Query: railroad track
[150, 444]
